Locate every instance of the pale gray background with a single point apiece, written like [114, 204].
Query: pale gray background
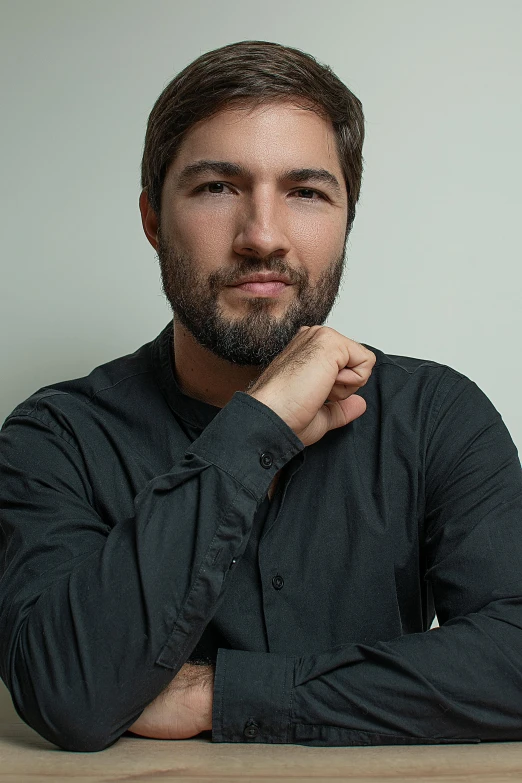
[434, 266]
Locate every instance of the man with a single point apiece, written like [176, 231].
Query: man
[246, 526]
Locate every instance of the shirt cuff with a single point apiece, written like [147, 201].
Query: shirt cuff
[252, 697]
[248, 441]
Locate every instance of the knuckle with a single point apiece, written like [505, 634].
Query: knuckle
[315, 337]
[323, 330]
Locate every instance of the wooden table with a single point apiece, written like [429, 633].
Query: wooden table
[25, 757]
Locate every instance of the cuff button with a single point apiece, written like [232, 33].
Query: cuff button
[266, 459]
[251, 729]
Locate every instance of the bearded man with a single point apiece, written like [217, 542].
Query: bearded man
[247, 526]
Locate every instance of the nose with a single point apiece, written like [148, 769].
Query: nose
[261, 229]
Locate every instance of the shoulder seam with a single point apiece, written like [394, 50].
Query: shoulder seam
[113, 385]
[20, 410]
[444, 395]
[49, 424]
[423, 363]
[23, 410]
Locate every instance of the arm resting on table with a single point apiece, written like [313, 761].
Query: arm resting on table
[95, 621]
[460, 682]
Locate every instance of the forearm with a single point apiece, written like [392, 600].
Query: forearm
[92, 630]
[458, 683]
[101, 643]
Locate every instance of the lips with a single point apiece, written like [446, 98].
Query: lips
[262, 283]
[271, 288]
[263, 277]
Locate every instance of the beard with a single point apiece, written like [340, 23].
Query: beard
[257, 337]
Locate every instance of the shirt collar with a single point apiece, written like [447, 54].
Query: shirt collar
[194, 412]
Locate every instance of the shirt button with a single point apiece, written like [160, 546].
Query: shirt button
[251, 729]
[277, 582]
[266, 459]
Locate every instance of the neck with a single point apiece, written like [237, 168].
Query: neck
[205, 376]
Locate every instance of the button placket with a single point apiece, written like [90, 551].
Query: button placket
[278, 582]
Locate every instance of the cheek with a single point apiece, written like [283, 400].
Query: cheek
[319, 236]
[201, 231]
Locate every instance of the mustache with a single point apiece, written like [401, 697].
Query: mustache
[251, 265]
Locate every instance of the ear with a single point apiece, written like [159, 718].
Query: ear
[149, 219]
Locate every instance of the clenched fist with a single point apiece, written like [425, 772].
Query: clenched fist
[311, 384]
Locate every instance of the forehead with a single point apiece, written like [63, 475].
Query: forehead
[273, 136]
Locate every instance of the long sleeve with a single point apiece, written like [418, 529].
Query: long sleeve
[459, 682]
[96, 619]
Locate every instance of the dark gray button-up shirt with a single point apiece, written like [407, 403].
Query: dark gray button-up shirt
[136, 533]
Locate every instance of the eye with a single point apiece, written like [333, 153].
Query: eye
[212, 187]
[308, 194]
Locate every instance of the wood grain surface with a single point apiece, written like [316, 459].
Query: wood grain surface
[24, 756]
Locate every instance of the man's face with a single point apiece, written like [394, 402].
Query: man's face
[253, 190]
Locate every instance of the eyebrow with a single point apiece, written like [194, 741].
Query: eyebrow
[224, 168]
[321, 176]
[221, 167]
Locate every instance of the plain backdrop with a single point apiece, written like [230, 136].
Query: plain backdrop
[434, 262]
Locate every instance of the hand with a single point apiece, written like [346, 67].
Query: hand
[183, 709]
[311, 382]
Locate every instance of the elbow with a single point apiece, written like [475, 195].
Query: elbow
[74, 731]
[71, 725]
[79, 736]
[70, 713]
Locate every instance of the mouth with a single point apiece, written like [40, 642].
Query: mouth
[270, 288]
[263, 284]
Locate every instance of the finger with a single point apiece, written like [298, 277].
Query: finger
[348, 381]
[349, 377]
[341, 391]
[358, 369]
[344, 411]
[360, 356]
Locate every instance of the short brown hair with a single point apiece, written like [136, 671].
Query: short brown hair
[251, 72]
